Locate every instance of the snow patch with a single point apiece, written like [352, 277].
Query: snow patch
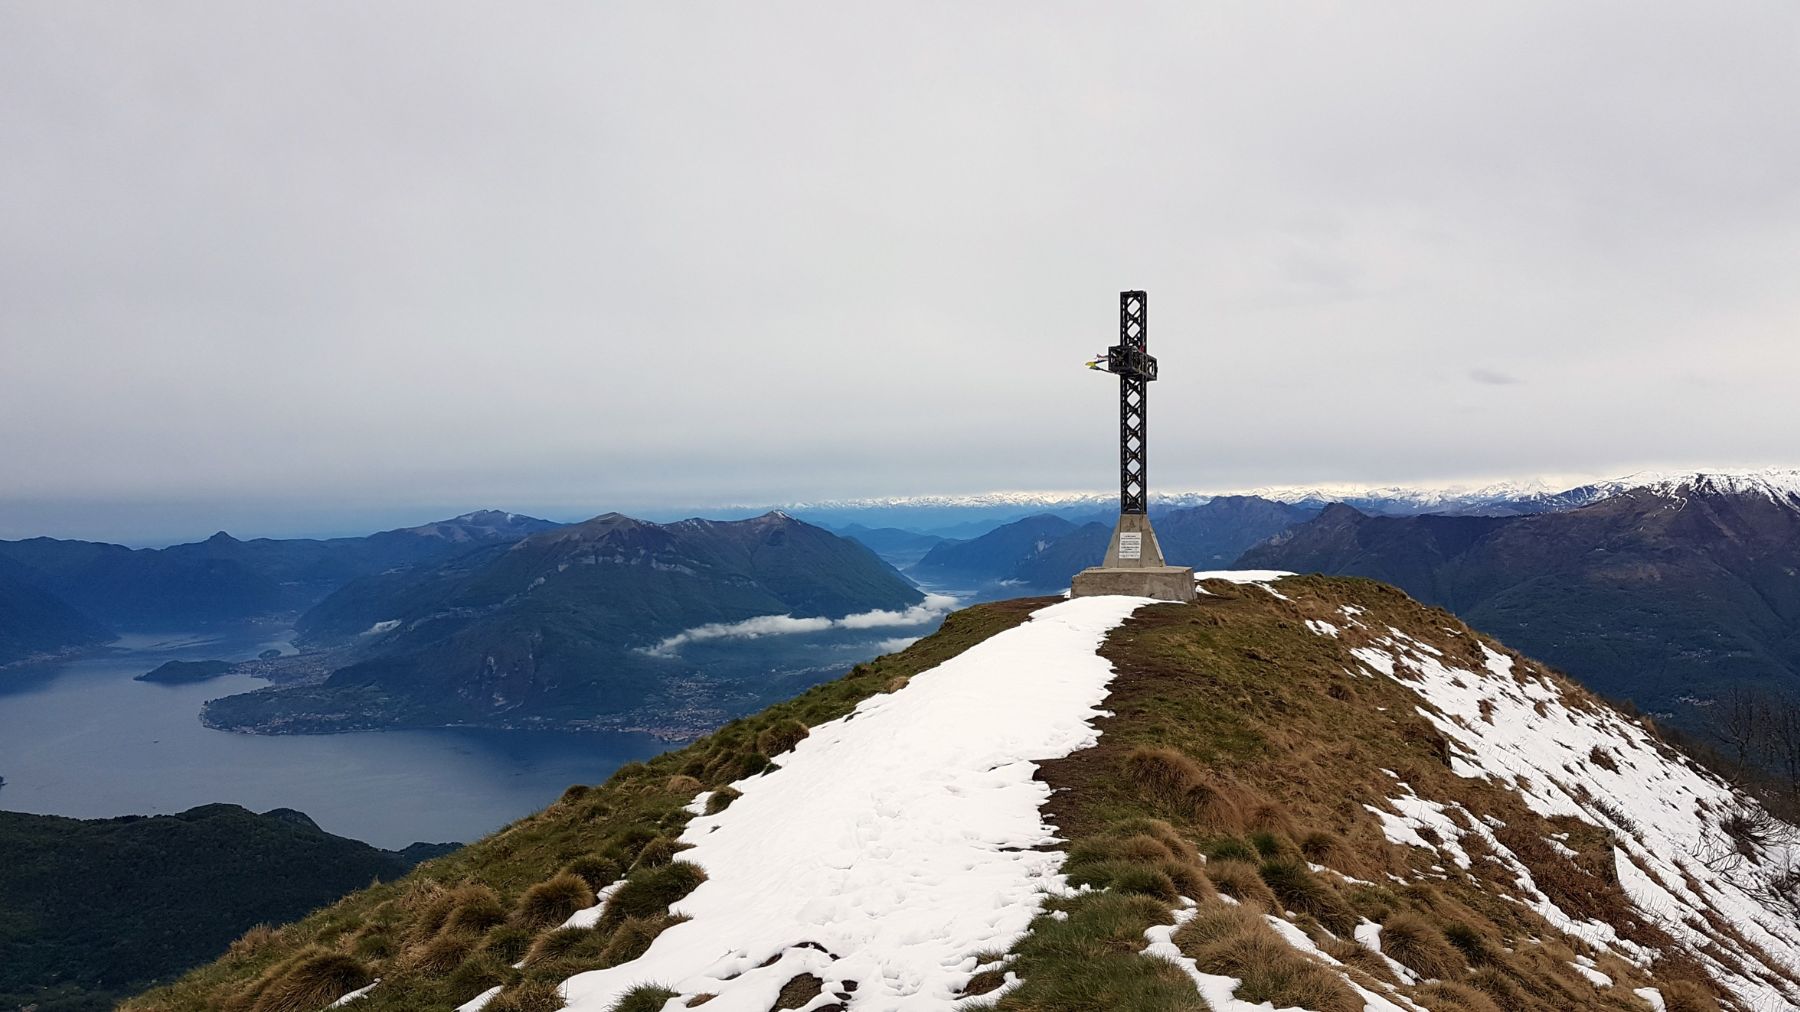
[889, 848]
[1514, 726]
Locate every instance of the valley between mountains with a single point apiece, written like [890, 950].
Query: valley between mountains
[1296, 793]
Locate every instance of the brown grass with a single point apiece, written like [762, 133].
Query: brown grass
[1215, 808]
[1416, 943]
[1686, 996]
[552, 901]
[781, 737]
[253, 941]
[562, 943]
[1237, 942]
[633, 936]
[597, 871]
[661, 850]
[310, 981]
[1447, 996]
[1164, 776]
[442, 953]
[527, 996]
[1359, 956]
[1242, 881]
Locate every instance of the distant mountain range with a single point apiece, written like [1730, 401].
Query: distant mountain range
[561, 627]
[1664, 593]
[92, 910]
[964, 516]
[57, 594]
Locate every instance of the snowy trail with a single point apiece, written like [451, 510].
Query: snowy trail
[892, 844]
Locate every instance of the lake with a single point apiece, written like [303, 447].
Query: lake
[81, 738]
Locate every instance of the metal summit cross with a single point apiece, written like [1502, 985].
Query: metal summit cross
[1134, 561]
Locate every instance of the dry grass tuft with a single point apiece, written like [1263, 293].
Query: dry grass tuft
[681, 783]
[649, 891]
[1445, 996]
[1476, 946]
[1235, 941]
[1215, 808]
[507, 943]
[1269, 817]
[552, 901]
[253, 941]
[1412, 941]
[1359, 956]
[476, 909]
[594, 869]
[565, 943]
[529, 996]
[309, 981]
[633, 936]
[721, 799]
[1687, 996]
[1240, 880]
[442, 953]
[1505, 991]
[1321, 847]
[780, 737]
[661, 850]
[1163, 775]
[1300, 891]
[1162, 833]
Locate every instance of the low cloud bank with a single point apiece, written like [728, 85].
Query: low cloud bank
[933, 606]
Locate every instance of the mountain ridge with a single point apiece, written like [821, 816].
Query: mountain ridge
[1665, 592]
[1307, 791]
[562, 626]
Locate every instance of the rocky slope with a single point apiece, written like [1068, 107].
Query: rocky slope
[575, 625]
[1311, 793]
[1664, 593]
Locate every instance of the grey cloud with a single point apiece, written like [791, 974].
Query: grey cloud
[1493, 378]
[347, 261]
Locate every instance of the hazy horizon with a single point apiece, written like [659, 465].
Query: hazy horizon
[156, 525]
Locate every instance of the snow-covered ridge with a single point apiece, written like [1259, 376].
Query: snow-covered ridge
[1775, 484]
[1730, 903]
[1533, 494]
[893, 844]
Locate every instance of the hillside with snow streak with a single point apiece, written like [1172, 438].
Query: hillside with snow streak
[889, 847]
[1695, 857]
[1296, 793]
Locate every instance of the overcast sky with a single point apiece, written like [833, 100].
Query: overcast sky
[302, 267]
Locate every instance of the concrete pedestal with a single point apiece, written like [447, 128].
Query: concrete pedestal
[1134, 566]
[1164, 583]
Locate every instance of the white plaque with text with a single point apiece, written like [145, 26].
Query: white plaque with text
[1131, 544]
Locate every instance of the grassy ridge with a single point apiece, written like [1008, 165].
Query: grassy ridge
[453, 928]
[1237, 760]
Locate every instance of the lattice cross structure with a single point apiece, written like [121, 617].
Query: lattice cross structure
[1136, 368]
